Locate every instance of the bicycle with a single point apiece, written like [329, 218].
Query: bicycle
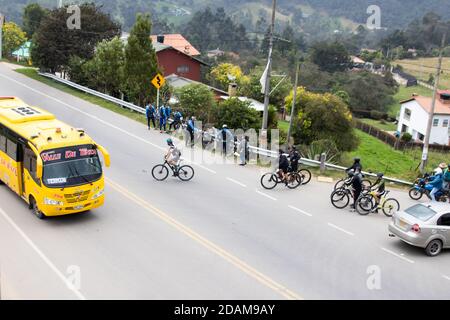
[367, 204]
[305, 174]
[270, 180]
[160, 172]
[340, 198]
[346, 181]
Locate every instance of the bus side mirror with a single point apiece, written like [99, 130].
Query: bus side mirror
[105, 155]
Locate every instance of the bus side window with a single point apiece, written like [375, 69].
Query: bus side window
[2, 141]
[11, 149]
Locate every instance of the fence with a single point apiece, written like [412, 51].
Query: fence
[253, 149]
[393, 141]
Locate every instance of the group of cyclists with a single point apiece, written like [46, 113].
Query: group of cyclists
[288, 162]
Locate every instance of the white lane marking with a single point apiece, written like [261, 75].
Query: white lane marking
[397, 255]
[301, 211]
[446, 277]
[100, 120]
[266, 195]
[42, 255]
[237, 182]
[340, 229]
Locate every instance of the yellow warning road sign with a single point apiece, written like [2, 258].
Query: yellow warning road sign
[158, 81]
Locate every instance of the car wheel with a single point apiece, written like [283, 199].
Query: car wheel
[434, 248]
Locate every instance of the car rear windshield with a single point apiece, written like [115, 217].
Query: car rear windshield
[421, 212]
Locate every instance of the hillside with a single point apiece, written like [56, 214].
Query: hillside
[349, 13]
[423, 67]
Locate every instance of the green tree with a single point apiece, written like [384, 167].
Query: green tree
[108, 66]
[33, 14]
[322, 117]
[141, 65]
[197, 100]
[54, 43]
[13, 38]
[237, 114]
[330, 57]
[220, 75]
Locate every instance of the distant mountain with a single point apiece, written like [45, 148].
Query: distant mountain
[394, 13]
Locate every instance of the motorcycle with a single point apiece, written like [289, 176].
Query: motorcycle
[422, 187]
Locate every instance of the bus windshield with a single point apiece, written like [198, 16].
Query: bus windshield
[71, 166]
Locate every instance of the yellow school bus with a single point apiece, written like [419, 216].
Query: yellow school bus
[54, 167]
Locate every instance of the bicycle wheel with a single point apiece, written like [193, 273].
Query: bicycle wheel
[185, 173]
[364, 205]
[306, 176]
[390, 206]
[294, 180]
[366, 183]
[339, 184]
[415, 194]
[340, 199]
[160, 172]
[269, 181]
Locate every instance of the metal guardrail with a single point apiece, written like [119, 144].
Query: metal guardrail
[120, 102]
[253, 149]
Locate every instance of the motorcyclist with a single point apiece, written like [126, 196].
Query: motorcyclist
[437, 181]
[447, 178]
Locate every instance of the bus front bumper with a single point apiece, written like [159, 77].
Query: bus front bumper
[66, 209]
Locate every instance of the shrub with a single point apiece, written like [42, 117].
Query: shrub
[406, 137]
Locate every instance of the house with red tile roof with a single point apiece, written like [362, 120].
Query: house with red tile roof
[415, 113]
[176, 41]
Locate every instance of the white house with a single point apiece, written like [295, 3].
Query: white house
[414, 115]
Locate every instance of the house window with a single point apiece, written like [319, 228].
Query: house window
[445, 123]
[407, 114]
[183, 69]
[420, 136]
[435, 122]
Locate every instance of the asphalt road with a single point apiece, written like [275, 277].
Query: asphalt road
[220, 236]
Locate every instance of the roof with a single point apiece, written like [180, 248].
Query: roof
[357, 60]
[37, 125]
[177, 81]
[178, 42]
[159, 47]
[254, 104]
[425, 103]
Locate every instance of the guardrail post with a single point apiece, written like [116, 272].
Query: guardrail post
[323, 157]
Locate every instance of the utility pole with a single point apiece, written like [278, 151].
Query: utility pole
[291, 121]
[433, 106]
[2, 19]
[269, 70]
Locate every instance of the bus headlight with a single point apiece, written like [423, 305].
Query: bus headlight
[98, 194]
[51, 202]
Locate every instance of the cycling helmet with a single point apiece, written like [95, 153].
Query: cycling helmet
[380, 175]
[351, 173]
[169, 141]
[357, 159]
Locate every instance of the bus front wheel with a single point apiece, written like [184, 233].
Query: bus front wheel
[35, 209]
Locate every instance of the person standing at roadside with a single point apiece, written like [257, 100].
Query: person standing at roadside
[162, 118]
[150, 114]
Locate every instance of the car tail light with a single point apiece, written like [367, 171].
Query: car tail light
[416, 228]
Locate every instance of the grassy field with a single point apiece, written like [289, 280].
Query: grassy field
[377, 156]
[405, 93]
[32, 73]
[422, 68]
[386, 126]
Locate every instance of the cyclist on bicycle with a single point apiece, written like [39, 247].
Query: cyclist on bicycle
[356, 182]
[380, 189]
[283, 165]
[356, 166]
[173, 155]
[294, 157]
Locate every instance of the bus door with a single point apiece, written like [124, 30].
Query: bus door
[29, 172]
